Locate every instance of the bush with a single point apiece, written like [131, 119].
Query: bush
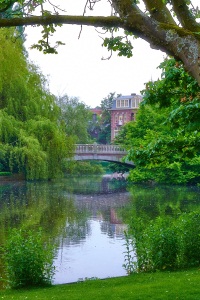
[82, 168]
[28, 260]
[161, 245]
[169, 244]
[5, 173]
[189, 239]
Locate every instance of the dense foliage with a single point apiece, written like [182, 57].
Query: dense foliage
[164, 141]
[31, 140]
[105, 132]
[82, 168]
[29, 261]
[167, 243]
[75, 117]
[100, 127]
[163, 228]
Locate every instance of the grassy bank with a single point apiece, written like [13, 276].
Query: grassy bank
[162, 285]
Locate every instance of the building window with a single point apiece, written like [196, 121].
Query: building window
[132, 117]
[135, 102]
[122, 103]
[118, 103]
[116, 118]
[120, 120]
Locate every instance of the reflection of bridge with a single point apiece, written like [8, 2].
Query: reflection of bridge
[113, 153]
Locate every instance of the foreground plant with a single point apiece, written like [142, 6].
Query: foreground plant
[28, 260]
[166, 243]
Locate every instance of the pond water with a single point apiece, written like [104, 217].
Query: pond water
[94, 245]
[86, 219]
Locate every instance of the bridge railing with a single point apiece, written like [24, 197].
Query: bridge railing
[95, 148]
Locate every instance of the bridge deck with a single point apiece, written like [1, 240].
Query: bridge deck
[100, 152]
[95, 148]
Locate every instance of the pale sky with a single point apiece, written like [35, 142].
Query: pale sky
[78, 69]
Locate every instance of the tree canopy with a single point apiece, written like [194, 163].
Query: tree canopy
[32, 141]
[75, 118]
[164, 141]
[171, 26]
[105, 132]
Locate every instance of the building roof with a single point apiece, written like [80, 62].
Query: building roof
[127, 97]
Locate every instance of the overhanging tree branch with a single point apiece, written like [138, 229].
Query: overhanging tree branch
[63, 19]
[159, 11]
[184, 15]
[158, 28]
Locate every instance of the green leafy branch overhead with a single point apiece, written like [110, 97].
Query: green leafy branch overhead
[171, 26]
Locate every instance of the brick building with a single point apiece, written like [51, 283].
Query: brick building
[123, 110]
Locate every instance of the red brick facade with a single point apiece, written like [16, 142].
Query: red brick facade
[124, 110]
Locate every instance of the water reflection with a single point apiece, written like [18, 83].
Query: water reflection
[86, 221]
[94, 248]
[105, 255]
[80, 225]
[152, 201]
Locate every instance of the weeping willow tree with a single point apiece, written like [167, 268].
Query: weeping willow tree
[32, 141]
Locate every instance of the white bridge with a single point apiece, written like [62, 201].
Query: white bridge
[112, 153]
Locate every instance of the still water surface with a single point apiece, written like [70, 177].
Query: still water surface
[96, 248]
[79, 215]
[86, 219]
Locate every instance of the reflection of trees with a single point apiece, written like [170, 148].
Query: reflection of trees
[105, 208]
[45, 205]
[113, 230]
[148, 202]
[36, 205]
[50, 206]
[75, 232]
[64, 218]
[157, 218]
[108, 229]
[95, 184]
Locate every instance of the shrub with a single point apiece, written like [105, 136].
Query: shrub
[189, 239]
[5, 173]
[28, 260]
[161, 245]
[82, 168]
[167, 243]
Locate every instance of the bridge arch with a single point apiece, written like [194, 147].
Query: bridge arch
[111, 153]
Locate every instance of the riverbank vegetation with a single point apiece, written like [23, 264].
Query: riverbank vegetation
[82, 168]
[28, 259]
[163, 229]
[157, 286]
[163, 225]
[164, 243]
[164, 141]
